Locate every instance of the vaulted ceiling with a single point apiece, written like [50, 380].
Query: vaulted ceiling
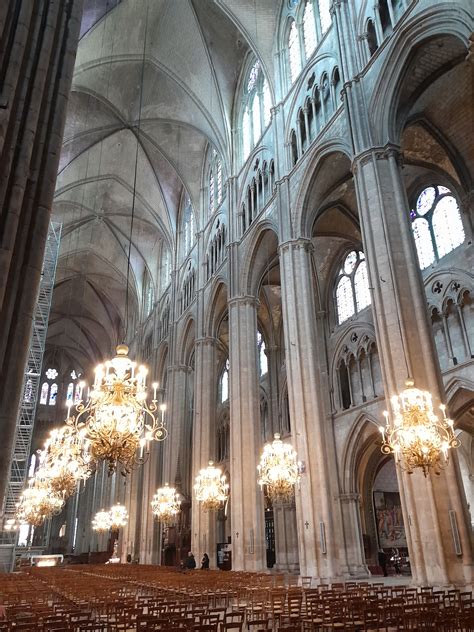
[154, 85]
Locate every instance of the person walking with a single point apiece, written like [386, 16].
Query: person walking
[205, 562]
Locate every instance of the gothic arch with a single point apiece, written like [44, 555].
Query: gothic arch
[415, 35]
[303, 216]
[250, 270]
[362, 436]
[186, 340]
[216, 305]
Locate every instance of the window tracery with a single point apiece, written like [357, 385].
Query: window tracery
[294, 57]
[256, 107]
[352, 286]
[262, 356]
[188, 226]
[216, 186]
[436, 224]
[309, 29]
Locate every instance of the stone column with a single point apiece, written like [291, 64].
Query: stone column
[318, 530]
[353, 535]
[286, 538]
[430, 505]
[40, 42]
[247, 513]
[176, 416]
[203, 527]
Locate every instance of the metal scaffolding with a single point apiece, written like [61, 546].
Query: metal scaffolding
[31, 383]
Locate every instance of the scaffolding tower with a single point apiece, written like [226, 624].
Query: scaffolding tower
[31, 382]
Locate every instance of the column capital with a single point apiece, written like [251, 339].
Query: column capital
[303, 243]
[244, 300]
[175, 368]
[376, 153]
[349, 498]
[205, 341]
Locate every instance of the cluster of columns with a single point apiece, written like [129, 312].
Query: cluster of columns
[38, 42]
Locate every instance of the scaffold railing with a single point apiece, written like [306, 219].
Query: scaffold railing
[31, 383]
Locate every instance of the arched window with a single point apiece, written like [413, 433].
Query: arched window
[44, 393]
[262, 356]
[215, 182]
[352, 286]
[224, 383]
[188, 225]
[309, 29]
[294, 57]
[256, 108]
[371, 37]
[165, 267]
[148, 293]
[70, 393]
[436, 224]
[211, 192]
[384, 14]
[53, 393]
[324, 15]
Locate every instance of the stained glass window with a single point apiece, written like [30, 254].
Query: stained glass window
[344, 299]
[262, 356]
[51, 374]
[309, 29]
[53, 393]
[253, 76]
[32, 467]
[324, 15]
[70, 392]
[352, 286]
[219, 182]
[294, 52]
[211, 192]
[44, 393]
[361, 285]
[436, 223]
[225, 383]
[188, 225]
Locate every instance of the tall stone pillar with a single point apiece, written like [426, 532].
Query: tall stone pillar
[37, 52]
[434, 508]
[203, 528]
[247, 512]
[176, 419]
[313, 439]
[350, 506]
[286, 538]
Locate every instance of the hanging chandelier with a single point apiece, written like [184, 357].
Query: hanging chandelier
[116, 420]
[101, 521]
[166, 504]
[118, 517]
[211, 488]
[64, 461]
[415, 434]
[37, 503]
[279, 470]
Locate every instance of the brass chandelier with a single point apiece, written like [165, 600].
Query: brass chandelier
[65, 461]
[37, 503]
[211, 488]
[117, 421]
[115, 518]
[415, 434]
[279, 470]
[166, 504]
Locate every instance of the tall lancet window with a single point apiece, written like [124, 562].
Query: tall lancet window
[309, 29]
[294, 57]
[352, 286]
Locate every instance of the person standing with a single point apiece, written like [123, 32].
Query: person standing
[190, 563]
[395, 559]
[205, 562]
[383, 562]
